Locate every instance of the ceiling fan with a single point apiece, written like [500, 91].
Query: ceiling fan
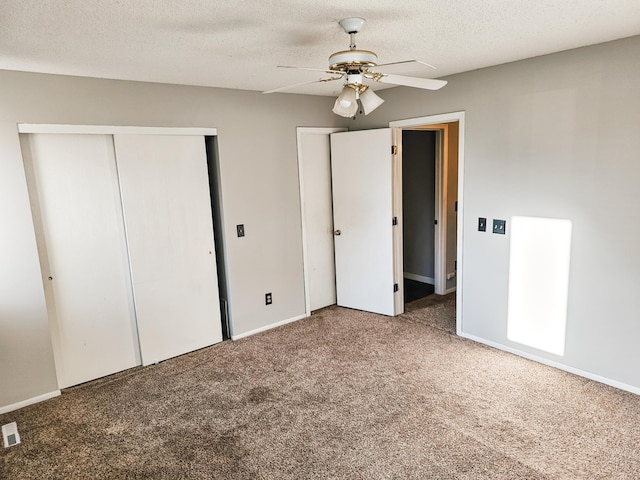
[354, 66]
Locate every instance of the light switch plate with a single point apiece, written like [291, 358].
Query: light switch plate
[240, 229]
[482, 224]
[499, 226]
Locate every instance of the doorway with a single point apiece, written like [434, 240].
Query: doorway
[418, 213]
[449, 201]
[429, 192]
[446, 268]
[314, 170]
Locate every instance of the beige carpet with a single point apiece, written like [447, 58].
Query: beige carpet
[341, 395]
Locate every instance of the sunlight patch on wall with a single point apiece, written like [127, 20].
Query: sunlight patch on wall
[539, 282]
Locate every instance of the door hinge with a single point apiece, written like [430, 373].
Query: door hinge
[435, 222]
[394, 222]
[395, 287]
[394, 149]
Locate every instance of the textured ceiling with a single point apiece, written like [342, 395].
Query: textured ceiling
[237, 44]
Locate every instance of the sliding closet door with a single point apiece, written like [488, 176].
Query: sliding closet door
[167, 209]
[78, 218]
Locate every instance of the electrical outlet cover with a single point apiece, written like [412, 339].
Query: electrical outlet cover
[10, 435]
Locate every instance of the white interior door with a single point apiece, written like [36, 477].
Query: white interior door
[83, 255]
[167, 210]
[363, 210]
[314, 150]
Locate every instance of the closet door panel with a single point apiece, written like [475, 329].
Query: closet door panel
[83, 256]
[167, 209]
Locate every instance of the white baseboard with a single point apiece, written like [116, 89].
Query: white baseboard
[29, 401]
[449, 290]
[551, 363]
[268, 327]
[419, 278]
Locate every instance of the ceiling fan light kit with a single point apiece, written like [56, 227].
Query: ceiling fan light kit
[354, 66]
[346, 104]
[370, 101]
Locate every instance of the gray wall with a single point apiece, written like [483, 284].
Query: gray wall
[557, 137]
[418, 201]
[257, 146]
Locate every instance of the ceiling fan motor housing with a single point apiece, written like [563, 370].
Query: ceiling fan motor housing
[349, 60]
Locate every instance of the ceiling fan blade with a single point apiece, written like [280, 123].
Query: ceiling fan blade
[406, 61]
[288, 87]
[334, 72]
[415, 82]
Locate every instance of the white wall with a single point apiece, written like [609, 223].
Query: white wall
[257, 147]
[555, 136]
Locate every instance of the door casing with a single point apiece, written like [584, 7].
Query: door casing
[430, 122]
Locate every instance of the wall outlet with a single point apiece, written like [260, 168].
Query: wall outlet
[10, 435]
[268, 299]
[240, 230]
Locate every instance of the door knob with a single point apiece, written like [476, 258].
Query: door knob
[337, 232]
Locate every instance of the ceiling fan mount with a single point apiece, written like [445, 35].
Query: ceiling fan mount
[352, 25]
[352, 60]
[354, 66]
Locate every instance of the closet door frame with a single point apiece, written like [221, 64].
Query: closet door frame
[113, 130]
[27, 128]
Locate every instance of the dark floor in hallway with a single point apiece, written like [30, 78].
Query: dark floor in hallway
[413, 290]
